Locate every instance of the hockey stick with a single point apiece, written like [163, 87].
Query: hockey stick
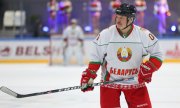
[17, 95]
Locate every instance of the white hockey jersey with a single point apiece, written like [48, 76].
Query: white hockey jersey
[73, 35]
[121, 56]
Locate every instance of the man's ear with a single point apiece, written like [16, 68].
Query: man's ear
[131, 19]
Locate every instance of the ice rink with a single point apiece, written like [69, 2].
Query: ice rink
[24, 78]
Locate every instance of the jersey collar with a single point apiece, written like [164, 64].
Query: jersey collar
[126, 34]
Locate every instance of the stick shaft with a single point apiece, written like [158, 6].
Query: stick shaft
[17, 95]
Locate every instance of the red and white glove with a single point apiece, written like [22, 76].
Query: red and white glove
[146, 71]
[87, 79]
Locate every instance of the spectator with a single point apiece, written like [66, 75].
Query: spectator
[52, 7]
[95, 11]
[65, 7]
[141, 7]
[161, 10]
[112, 6]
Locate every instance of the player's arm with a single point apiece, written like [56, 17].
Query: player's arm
[90, 73]
[155, 51]
[154, 62]
[88, 76]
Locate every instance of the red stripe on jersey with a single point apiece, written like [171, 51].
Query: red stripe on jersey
[107, 77]
[94, 66]
[156, 62]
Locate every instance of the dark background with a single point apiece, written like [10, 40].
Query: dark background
[38, 9]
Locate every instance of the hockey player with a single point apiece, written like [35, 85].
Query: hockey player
[161, 10]
[120, 51]
[141, 7]
[73, 37]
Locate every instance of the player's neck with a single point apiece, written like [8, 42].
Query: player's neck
[125, 32]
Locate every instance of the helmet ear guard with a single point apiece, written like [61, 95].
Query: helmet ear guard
[131, 19]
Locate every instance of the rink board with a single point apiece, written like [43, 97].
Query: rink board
[37, 50]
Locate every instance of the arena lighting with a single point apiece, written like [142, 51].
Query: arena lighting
[45, 29]
[173, 28]
[87, 28]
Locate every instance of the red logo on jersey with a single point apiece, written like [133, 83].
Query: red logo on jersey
[124, 54]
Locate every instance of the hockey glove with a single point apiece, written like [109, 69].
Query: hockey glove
[146, 71]
[87, 79]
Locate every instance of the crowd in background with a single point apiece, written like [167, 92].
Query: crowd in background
[53, 16]
[60, 14]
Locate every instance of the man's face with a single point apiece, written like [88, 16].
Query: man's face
[121, 21]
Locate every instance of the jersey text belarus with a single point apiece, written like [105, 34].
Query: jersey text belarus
[123, 72]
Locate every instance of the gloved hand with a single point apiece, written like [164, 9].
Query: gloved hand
[87, 79]
[146, 71]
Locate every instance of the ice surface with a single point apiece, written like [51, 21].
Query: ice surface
[28, 78]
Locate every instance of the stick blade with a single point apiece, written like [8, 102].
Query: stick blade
[8, 91]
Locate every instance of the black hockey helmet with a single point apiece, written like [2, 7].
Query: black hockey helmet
[126, 10]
